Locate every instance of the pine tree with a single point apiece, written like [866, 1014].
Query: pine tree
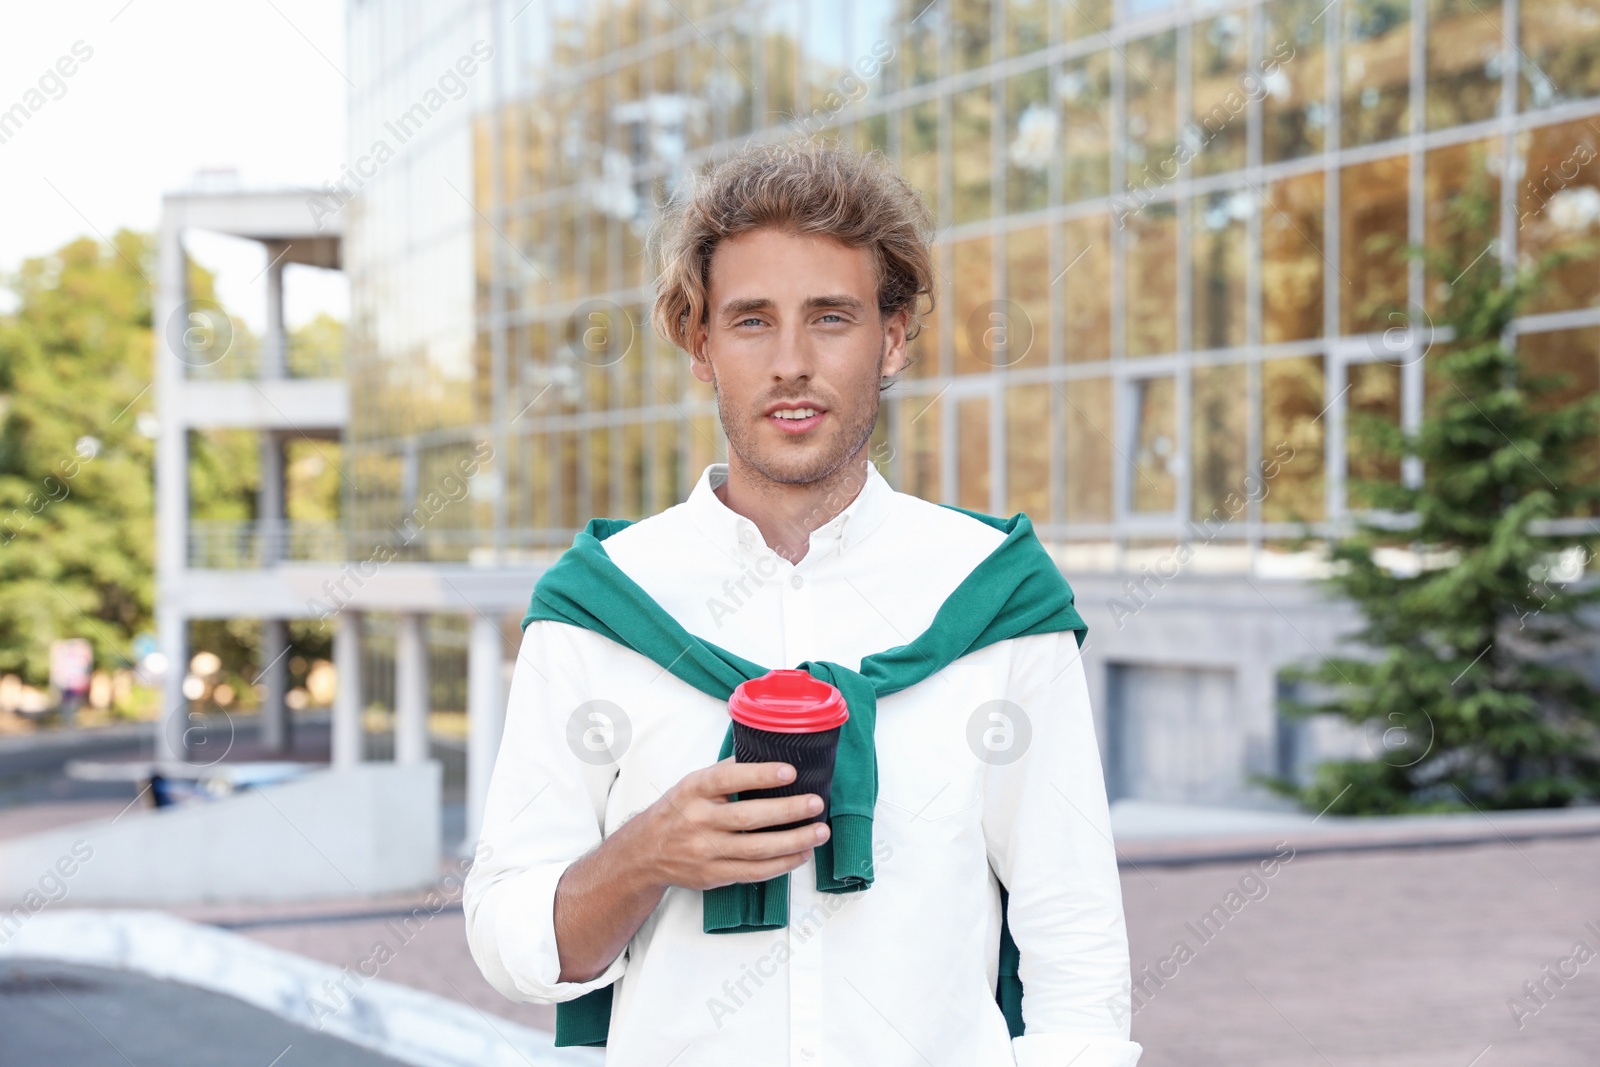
[1471, 662]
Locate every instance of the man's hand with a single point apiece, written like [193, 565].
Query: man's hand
[693, 837]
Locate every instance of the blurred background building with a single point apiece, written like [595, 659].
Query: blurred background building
[1170, 243]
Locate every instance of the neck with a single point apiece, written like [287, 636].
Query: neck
[786, 513]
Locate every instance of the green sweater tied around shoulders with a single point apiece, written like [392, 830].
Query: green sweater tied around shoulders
[1016, 591]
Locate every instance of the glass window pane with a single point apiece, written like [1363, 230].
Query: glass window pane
[1221, 95]
[1028, 288]
[974, 293]
[1083, 90]
[1028, 437]
[1152, 128]
[633, 446]
[1085, 284]
[1376, 93]
[1082, 18]
[921, 421]
[1465, 50]
[1291, 439]
[824, 61]
[1293, 260]
[970, 40]
[1219, 242]
[599, 473]
[566, 461]
[1559, 212]
[1027, 26]
[971, 118]
[1220, 442]
[538, 452]
[1560, 43]
[919, 152]
[1152, 484]
[925, 25]
[669, 468]
[1447, 173]
[872, 134]
[1136, 9]
[593, 241]
[1088, 449]
[700, 64]
[972, 453]
[1293, 112]
[780, 61]
[874, 61]
[1373, 204]
[1373, 397]
[1032, 140]
[1152, 304]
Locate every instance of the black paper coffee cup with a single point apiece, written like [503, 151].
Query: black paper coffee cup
[788, 716]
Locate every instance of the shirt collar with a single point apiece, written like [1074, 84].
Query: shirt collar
[730, 530]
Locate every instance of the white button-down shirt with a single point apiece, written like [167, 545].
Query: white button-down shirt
[987, 769]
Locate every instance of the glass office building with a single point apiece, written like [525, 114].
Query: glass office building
[1167, 238]
[1170, 262]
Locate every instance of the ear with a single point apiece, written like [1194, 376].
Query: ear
[699, 361]
[894, 348]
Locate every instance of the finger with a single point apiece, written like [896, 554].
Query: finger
[761, 870]
[800, 840]
[767, 811]
[726, 777]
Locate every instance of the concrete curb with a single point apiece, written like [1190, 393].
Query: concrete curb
[395, 1020]
[1378, 833]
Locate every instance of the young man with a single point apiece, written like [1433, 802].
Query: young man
[795, 276]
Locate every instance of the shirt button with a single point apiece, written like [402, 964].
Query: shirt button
[796, 581]
[808, 1054]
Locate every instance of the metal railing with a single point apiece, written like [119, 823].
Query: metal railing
[241, 361]
[248, 545]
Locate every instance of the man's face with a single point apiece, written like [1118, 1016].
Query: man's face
[793, 323]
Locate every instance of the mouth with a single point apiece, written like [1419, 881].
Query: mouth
[796, 419]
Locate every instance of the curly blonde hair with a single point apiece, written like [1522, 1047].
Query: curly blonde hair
[803, 187]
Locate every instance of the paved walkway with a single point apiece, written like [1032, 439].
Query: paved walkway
[58, 1013]
[1367, 959]
[1381, 959]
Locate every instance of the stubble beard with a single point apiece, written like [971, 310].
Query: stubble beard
[806, 468]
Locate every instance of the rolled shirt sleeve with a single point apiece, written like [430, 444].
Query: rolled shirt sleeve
[1047, 826]
[545, 809]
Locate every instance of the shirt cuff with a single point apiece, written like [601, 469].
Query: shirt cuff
[525, 930]
[1059, 1050]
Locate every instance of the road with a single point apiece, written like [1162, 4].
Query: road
[55, 1013]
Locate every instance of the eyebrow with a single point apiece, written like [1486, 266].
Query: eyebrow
[761, 303]
[842, 301]
[745, 306]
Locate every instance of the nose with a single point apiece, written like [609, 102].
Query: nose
[795, 357]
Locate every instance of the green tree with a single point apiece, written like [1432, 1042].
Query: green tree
[1468, 671]
[76, 537]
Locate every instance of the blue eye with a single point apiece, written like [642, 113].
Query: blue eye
[832, 315]
[746, 322]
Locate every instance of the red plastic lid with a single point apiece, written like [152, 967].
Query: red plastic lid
[788, 702]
